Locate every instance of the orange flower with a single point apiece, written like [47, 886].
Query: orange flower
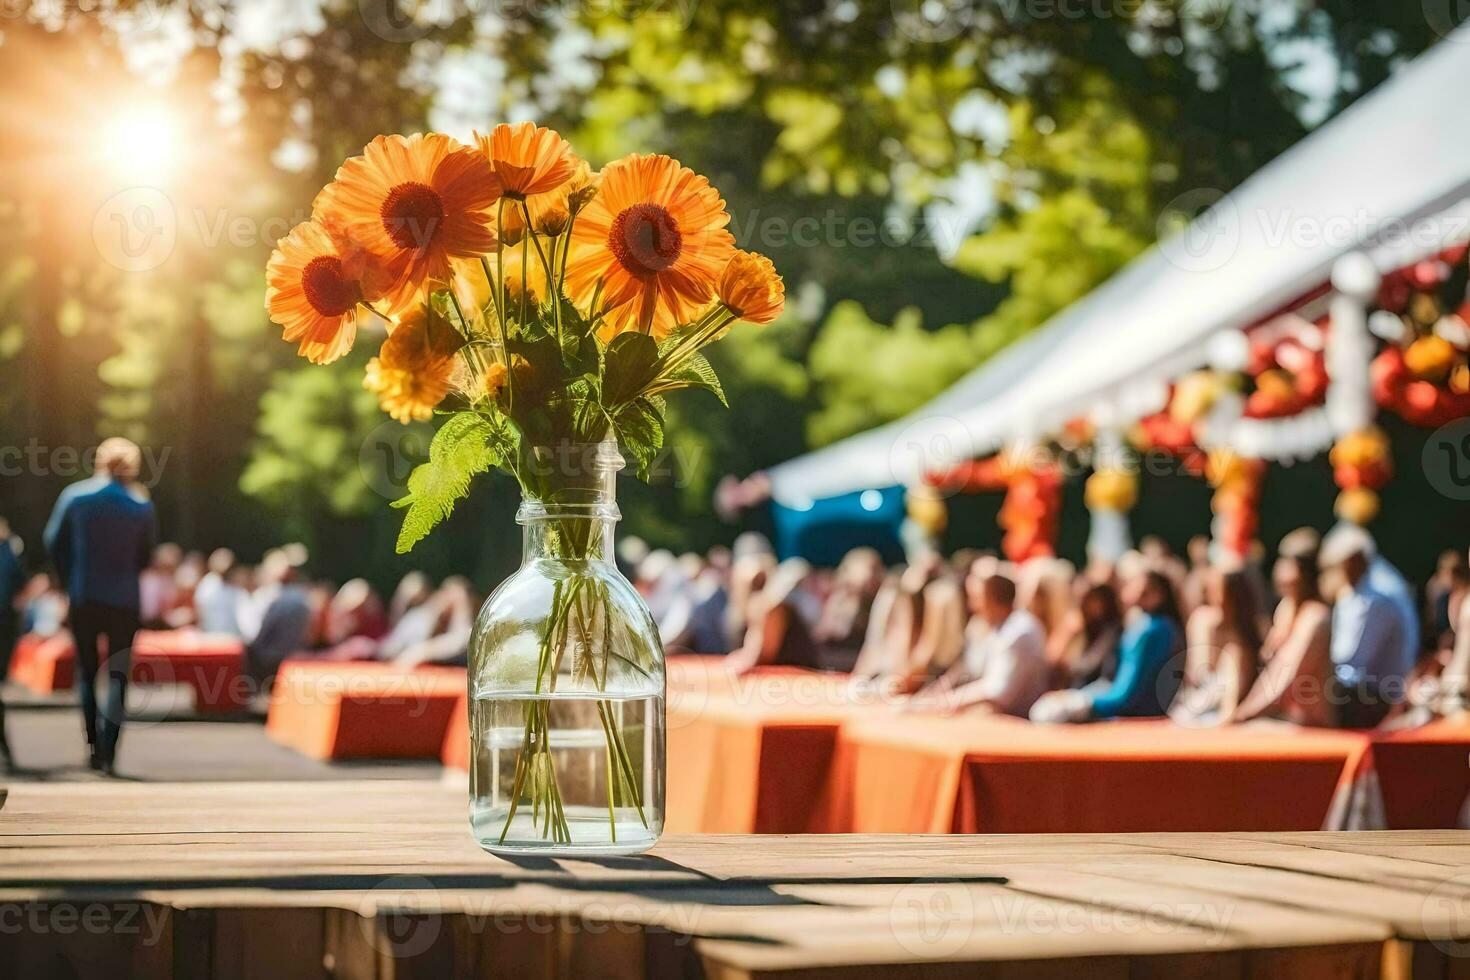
[315, 283]
[655, 236]
[568, 198]
[751, 289]
[414, 202]
[414, 367]
[528, 159]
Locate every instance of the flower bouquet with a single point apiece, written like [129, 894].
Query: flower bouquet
[546, 310]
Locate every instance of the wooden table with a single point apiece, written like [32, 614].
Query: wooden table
[381, 880]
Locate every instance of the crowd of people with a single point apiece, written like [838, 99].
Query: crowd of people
[1334, 636]
[278, 610]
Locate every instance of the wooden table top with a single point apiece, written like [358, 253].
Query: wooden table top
[1129, 905]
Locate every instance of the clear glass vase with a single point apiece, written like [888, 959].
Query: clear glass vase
[566, 680]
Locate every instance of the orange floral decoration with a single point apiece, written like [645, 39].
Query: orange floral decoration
[655, 237]
[528, 159]
[414, 203]
[316, 283]
[411, 374]
[1031, 511]
[750, 288]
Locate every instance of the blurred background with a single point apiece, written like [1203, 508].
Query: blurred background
[933, 179]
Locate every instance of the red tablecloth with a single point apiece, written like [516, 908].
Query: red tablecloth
[211, 664]
[1424, 774]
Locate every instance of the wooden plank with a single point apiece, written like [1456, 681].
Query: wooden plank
[380, 881]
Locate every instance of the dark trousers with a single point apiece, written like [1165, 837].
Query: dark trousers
[91, 621]
[7, 645]
[1362, 706]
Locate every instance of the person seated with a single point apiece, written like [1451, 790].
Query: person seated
[1084, 650]
[43, 606]
[158, 588]
[1442, 594]
[1297, 651]
[709, 599]
[219, 597]
[780, 633]
[874, 656]
[285, 615]
[1197, 576]
[1143, 686]
[450, 617]
[1043, 588]
[1003, 669]
[1369, 655]
[354, 611]
[943, 616]
[1439, 685]
[843, 625]
[749, 573]
[1222, 652]
[918, 630]
[413, 591]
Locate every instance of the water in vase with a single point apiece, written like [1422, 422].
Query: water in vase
[584, 773]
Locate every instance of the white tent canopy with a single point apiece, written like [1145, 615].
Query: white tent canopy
[1389, 177]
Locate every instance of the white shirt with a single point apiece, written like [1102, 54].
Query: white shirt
[1009, 665]
[218, 604]
[1367, 637]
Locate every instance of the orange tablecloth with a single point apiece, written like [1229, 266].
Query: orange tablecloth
[751, 754]
[792, 751]
[907, 774]
[211, 664]
[363, 710]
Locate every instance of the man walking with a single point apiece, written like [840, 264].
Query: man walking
[101, 536]
[10, 581]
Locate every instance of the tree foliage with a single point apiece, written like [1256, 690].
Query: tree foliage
[931, 189]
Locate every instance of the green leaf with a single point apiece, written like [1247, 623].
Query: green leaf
[695, 372]
[640, 429]
[673, 339]
[630, 364]
[465, 445]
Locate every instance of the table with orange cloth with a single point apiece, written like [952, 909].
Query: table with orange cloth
[212, 664]
[1423, 774]
[751, 753]
[783, 750]
[363, 710]
[898, 773]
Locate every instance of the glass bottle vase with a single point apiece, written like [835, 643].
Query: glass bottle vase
[566, 680]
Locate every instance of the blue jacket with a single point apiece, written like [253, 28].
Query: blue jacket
[10, 574]
[101, 537]
[1141, 688]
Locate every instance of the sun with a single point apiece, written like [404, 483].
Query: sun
[141, 141]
